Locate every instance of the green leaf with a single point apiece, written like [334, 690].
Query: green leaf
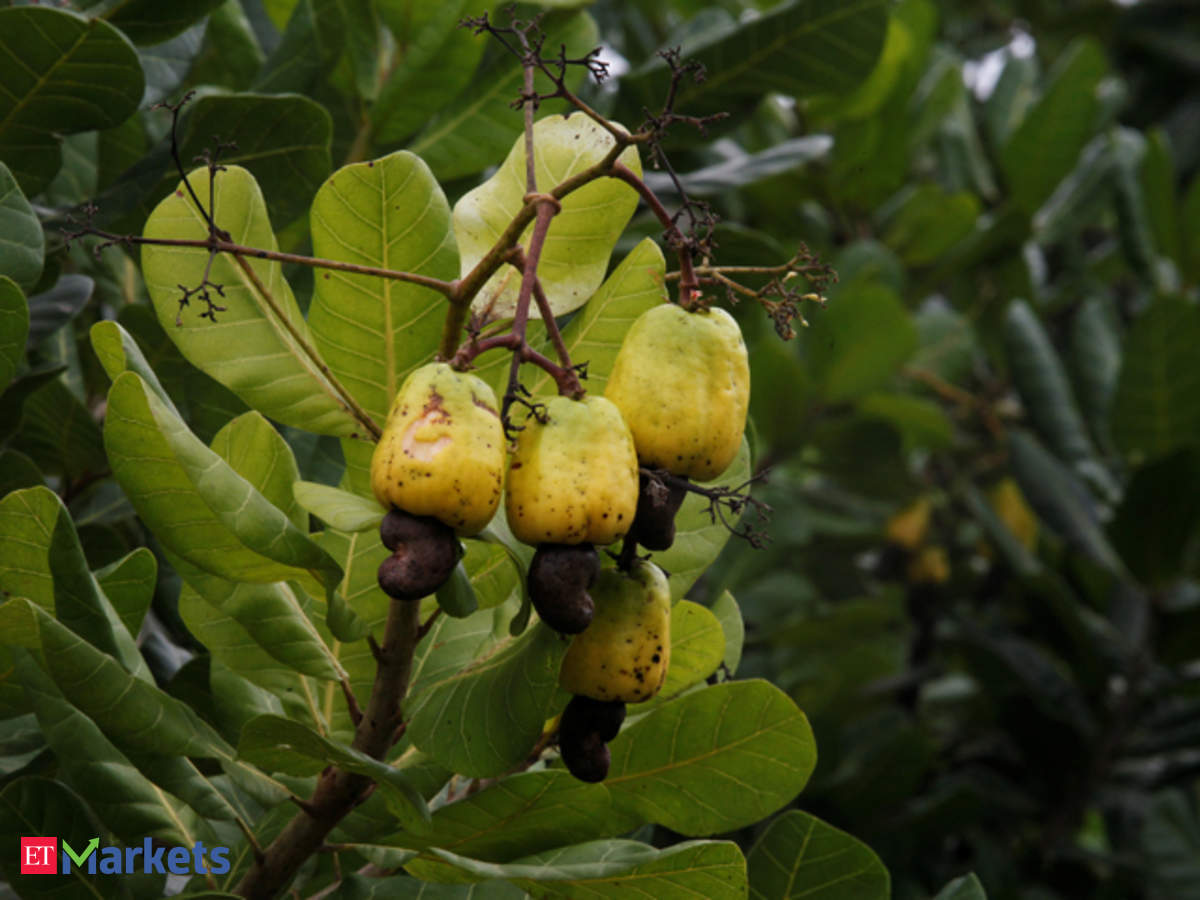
[800, 48]
[438, 62]
[231, 55]
[1190, 227]
[929, 223]
[726, 609]
[1095, 358]
[523, 814]
[259, 347]
[61, 433]
[713, 760]
[1157, 179]
[41, 806]
[21, 239]
[1042, 384]
[246, 680]
[484, 719]
[1156, 525]
[743, 169]
[127, 802]
[337, 508]
[1171, 841]
[204, 403]
[857, 343]
[118, 352]
[1060, 500]
[1155, 409]
[581, 236]
[697, 648]
[53, 309]
[200, 508]
[311, 46]
[14, 329]
[129, 585]
[595, 334]
[62, 74]
[283, 140]
[275, 616]
[151, 22]
[715, 870]
[801, 856]
[165, 65]
[389, 213]
[698, 538]
[921, 422]
[268, 741]
[967, 887]
[1044, 147]
[17, 471]
[471, 132]
[44, 563]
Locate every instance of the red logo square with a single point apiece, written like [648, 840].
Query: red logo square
[39, 856]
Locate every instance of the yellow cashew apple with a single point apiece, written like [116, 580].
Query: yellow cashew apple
[442, 450]
[682, 381]
[573, 477]
[623, 655]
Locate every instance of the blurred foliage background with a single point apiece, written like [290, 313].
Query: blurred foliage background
[983, 455]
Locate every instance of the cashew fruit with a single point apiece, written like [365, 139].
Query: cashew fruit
[573, 477]
[424, 553]
[682, 381]
[1010, 507]
[442, 450]
[658, 504]
[587, 758]
[908, 527]
[623, 655]
[559, 578]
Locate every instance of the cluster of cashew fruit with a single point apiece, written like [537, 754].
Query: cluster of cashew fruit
[574, 480]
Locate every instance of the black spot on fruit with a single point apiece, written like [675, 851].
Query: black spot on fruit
[658, 503]
[586, 758]
[423, 556]
[559, 578]
[584, 716]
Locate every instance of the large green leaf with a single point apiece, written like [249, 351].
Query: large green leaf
[151, 22]
[581, 236]
[259, 346]
[801, 856]
[715, 870]
[968, 887]
[200, 508]
[713, 760]
[517, 816]
[129, 585]
[273, 615]
[124, 798]
[236, 655]
[311, 45]
[479, 125]
[699, 534]
[21, 237]
[1095, 361]
[802, 48]
[44, 563]
[271, 742]
[14, 328]
[60, 432]
[42, 806]
[283, 140]
[1041, 381]
[729, 614]
[1043, 148]
[438, 61]
[62, 74]
[859, 341]
[1156, 525]
[929, 223]
[1155, 409]
[389, 213]
[594, 336]
[1060, 499]
[485, 718]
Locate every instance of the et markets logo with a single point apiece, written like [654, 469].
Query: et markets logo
[41, 856]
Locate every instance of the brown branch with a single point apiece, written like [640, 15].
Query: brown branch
[689, 287]
[338, 792]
